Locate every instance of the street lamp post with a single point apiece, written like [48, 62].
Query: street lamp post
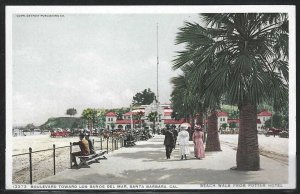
[131, 123]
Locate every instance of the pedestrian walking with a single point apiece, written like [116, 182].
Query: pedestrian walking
[198, 137]
[175, 133]
[169, 142]
[183, 141]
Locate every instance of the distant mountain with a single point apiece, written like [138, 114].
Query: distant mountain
[63, 122]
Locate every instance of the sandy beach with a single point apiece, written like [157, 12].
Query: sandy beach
[42, 162]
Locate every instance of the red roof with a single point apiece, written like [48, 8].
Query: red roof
[130, 113]
[111, 114]
[173, 121]
[238, 120]
[265, 113]
[127, 122]
[222, 114]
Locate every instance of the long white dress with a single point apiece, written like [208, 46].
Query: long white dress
[183, 140]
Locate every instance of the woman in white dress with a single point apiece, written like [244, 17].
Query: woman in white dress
[183, 141]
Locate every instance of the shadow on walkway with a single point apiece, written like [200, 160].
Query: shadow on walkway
[167, 176]
[148, 155]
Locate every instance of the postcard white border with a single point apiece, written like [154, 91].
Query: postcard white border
[290, 9]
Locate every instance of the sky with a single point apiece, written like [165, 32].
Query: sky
[89, 61]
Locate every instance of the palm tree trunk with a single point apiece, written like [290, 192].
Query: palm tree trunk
[247, 156]
[199, 118]
[213, 141]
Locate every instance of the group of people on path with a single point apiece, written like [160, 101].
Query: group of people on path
[182, 138]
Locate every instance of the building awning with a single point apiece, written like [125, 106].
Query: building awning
[173, 121]
[126, 122]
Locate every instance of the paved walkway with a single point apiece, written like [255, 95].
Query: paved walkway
[145, 163]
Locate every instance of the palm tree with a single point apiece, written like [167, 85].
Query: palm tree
[188, 99]
[152, 116]
[245, 56]
[180, 97]
[190, 89]
[90, 115]
[213, 141]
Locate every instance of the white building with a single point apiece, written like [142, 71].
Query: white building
[222, 118]
[164, 117]
[110, 120]
[164, 114]
[263, 117]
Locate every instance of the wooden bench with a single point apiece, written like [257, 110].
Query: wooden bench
[95, 158]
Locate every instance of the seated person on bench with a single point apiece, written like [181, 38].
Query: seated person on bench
[129, 139]
[91, 145]
[84, 147]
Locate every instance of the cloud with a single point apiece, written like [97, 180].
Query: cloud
[96, 61]
[32, 109]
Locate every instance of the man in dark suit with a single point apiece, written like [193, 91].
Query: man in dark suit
[175, 133]
[169, 142]
[91, 145]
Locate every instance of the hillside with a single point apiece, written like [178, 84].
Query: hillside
[63, 122]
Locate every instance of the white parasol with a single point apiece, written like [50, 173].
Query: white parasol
[185, 125]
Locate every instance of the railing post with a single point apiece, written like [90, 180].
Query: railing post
[93, 142]
[112, 144]
[30, 165]
[54, 158]
[70, 154]
[100, 143]
[107, 144]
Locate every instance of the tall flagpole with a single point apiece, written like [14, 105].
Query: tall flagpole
[157, 62]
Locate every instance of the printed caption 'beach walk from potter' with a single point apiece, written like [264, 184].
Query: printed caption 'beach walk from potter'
[150, 97]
